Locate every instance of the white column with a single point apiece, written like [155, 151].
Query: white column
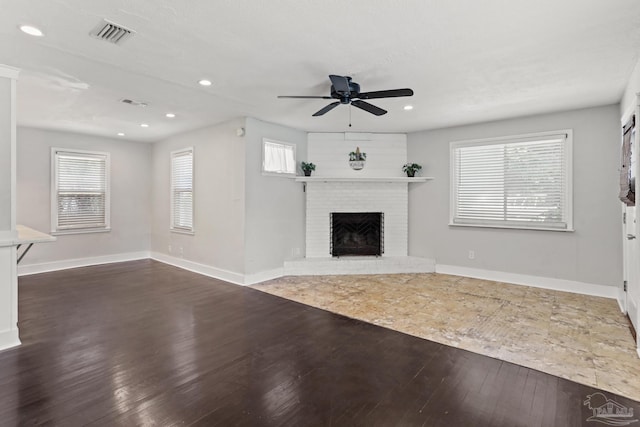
[8, 235]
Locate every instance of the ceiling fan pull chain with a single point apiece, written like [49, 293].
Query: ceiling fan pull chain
[349, 115]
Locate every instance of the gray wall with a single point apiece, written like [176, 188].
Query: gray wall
[275, 206]
[130, 195]
[218, 239]
[6, 165]
[591, 254]
[629, 97]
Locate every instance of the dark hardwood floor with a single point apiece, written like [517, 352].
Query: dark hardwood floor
[143, 343]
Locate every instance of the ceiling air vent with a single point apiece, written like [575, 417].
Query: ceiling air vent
[134, 103]
[111, 32]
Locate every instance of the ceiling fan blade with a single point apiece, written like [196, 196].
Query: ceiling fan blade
[327, 109]
[393, 93]
[305, 97]
[370, 108]
[340, 83]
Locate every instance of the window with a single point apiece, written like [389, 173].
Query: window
[182, 190]
[278, 158]
[514, 182]
[628, 167]
[80, 191]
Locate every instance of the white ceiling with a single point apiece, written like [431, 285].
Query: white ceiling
[467, 61]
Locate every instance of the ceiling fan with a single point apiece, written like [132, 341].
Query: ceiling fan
[348, 92]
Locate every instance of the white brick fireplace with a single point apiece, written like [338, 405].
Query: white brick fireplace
[380, 186]
[323, 198]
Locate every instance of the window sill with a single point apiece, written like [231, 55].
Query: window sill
[178, 231]
[279, 174]
[512, 227]
[80, 231]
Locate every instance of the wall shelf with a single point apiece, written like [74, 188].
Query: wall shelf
[362, 179]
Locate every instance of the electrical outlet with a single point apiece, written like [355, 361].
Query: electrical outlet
[169, 248]
[295, 251]
[472, 254]
[181, 252]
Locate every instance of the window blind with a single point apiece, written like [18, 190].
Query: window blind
[520, 183]
[81, 197]
[279, 158]
[182, 190]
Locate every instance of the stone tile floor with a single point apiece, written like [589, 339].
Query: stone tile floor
[582, 338]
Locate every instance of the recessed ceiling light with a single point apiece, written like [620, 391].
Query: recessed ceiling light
[408, 107]
[32, 31]
[205, 82]
[144, 125]
[120, 133]
[170, 115]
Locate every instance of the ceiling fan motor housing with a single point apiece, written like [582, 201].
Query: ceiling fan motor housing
[345, 98]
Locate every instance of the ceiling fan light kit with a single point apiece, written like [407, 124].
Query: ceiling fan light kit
[347, 92]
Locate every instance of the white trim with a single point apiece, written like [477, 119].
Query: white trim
[206, 270]
[8, 238]
[568, 173]
[358, 265]
[172, 227]
[27, 269]
[295, 158]
[512, 227]
[620, 299]
[252, 279]
[14, 154]
[9, 72]
[360, 179]
[9, 339]
[54, 192]
[534, 281]
[80, 231]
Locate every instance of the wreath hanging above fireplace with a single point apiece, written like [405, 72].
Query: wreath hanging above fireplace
[357, 159]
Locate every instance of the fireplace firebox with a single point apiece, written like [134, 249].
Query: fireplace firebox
[357, 233]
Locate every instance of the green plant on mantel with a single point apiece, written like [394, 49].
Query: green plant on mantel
[411, 168]
[307, 168]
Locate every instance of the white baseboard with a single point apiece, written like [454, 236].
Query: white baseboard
[620, 299]
[205, 270]
[534, 281]
[9, 339]
[252, 279]
[24, 270]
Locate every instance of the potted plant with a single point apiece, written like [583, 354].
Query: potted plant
[307, 168]
[411, 169]
[357, 159]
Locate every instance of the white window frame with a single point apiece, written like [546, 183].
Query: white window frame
[568, 176]
[172, 226]
[77, 229]
[266, 141]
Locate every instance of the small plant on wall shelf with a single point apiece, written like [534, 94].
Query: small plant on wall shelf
[411, 168]
[307, 168]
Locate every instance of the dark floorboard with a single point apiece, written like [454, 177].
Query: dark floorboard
[143, 343]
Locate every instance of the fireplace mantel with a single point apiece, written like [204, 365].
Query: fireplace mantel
[362, 179]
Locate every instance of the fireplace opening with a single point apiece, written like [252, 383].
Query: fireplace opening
[359, 233]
